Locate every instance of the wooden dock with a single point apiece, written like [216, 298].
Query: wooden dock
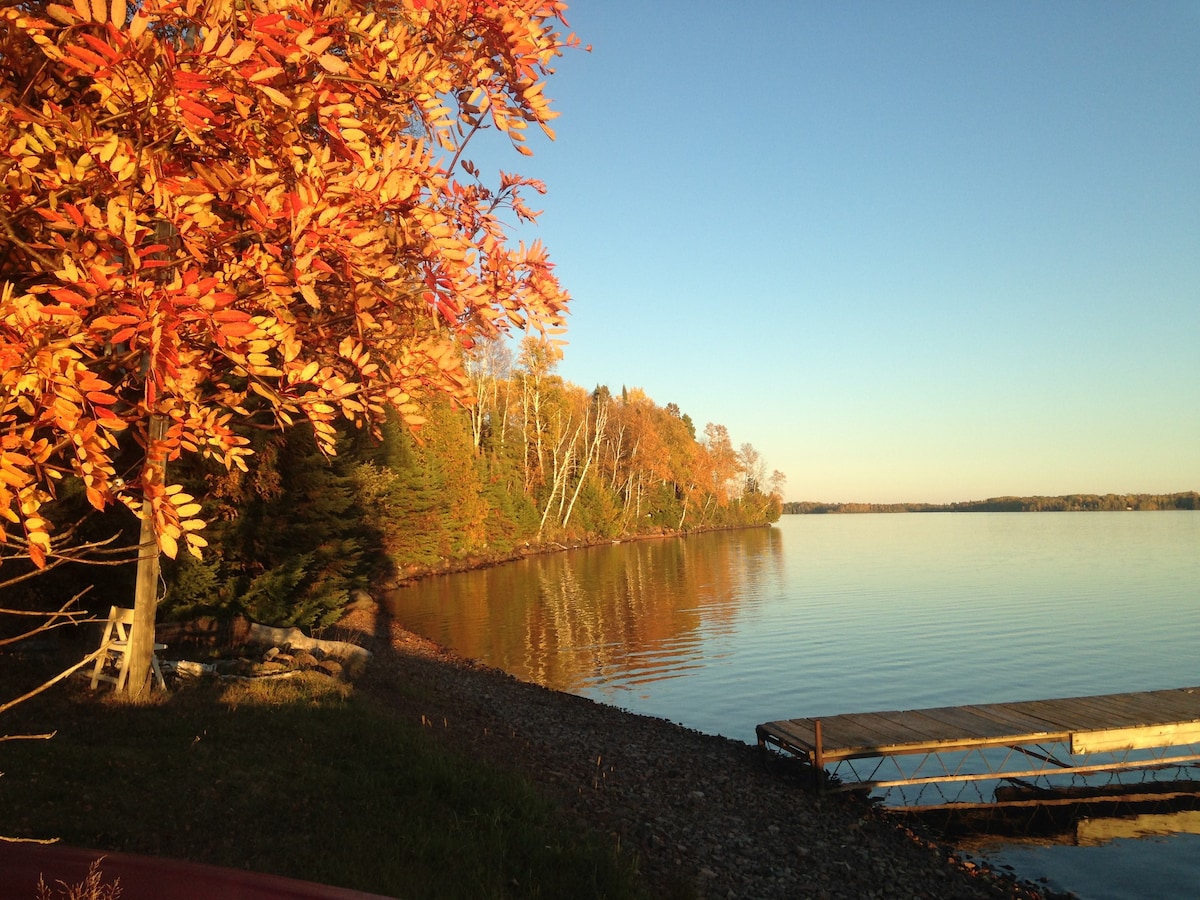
[1104, 730]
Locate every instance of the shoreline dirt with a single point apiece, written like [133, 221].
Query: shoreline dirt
[704, 816]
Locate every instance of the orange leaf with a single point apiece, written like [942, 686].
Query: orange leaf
[95, 59]
[197, 109]
[276, 97]
[138, 26]
[265, 74]
[62, 14]
[331, 63]
[242, 52]
[104, 323]
[66, 295]
[237, 329]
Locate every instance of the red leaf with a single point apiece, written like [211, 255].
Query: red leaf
[87, 56]
[198, 109]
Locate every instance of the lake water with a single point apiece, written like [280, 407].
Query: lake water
[850, 613]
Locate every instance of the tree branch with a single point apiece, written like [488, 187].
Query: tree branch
[52, 619]
[46, 685]
[26, 737]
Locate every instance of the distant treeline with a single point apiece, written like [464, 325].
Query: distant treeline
[1067, 503]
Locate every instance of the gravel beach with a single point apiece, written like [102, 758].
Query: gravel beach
[704, 816]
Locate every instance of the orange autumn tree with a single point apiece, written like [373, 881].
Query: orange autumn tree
[224, 212]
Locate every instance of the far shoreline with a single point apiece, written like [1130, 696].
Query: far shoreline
[1183, 500]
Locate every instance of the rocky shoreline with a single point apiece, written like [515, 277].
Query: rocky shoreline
[704, 816]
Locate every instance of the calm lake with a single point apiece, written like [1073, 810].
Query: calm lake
[851, 613]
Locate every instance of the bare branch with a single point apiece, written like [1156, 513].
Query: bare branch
[64, 616]
[26, 737]
[66, 673]
[92, 553]
[32, 573]
[50, 626]
[15, 840]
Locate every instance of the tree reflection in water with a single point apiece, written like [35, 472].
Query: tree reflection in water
[604, 618]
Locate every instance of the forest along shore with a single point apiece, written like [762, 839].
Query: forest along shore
[704, 816]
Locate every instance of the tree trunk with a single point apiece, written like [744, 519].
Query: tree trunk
[145, 600]
[593, 452]
[559, 475]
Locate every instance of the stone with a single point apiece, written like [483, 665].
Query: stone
[330, 667]
[360, 599]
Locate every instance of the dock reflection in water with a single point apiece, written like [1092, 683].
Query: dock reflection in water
[1079, 817]
[1129, 845]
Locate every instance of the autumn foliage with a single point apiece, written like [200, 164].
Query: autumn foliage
[223, 213]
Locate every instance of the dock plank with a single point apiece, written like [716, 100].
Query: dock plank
[974, 725]
[798, 733]
[848, 734]
[1184, 703]
[888, 730]
[1069, 717]
[1019, 721]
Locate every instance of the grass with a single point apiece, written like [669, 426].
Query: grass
[93, 887]
[299, 777]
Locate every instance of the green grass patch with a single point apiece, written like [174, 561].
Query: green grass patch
[300, 778]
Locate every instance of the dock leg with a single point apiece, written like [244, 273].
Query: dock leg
[818, 758]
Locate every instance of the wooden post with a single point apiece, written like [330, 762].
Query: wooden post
[145, 600]
[818, 756]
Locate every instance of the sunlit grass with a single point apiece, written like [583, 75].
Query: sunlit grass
[297, 777]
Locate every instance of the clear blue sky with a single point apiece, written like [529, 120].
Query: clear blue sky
[911, 251]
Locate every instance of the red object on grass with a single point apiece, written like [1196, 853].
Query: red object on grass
[150, 878]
